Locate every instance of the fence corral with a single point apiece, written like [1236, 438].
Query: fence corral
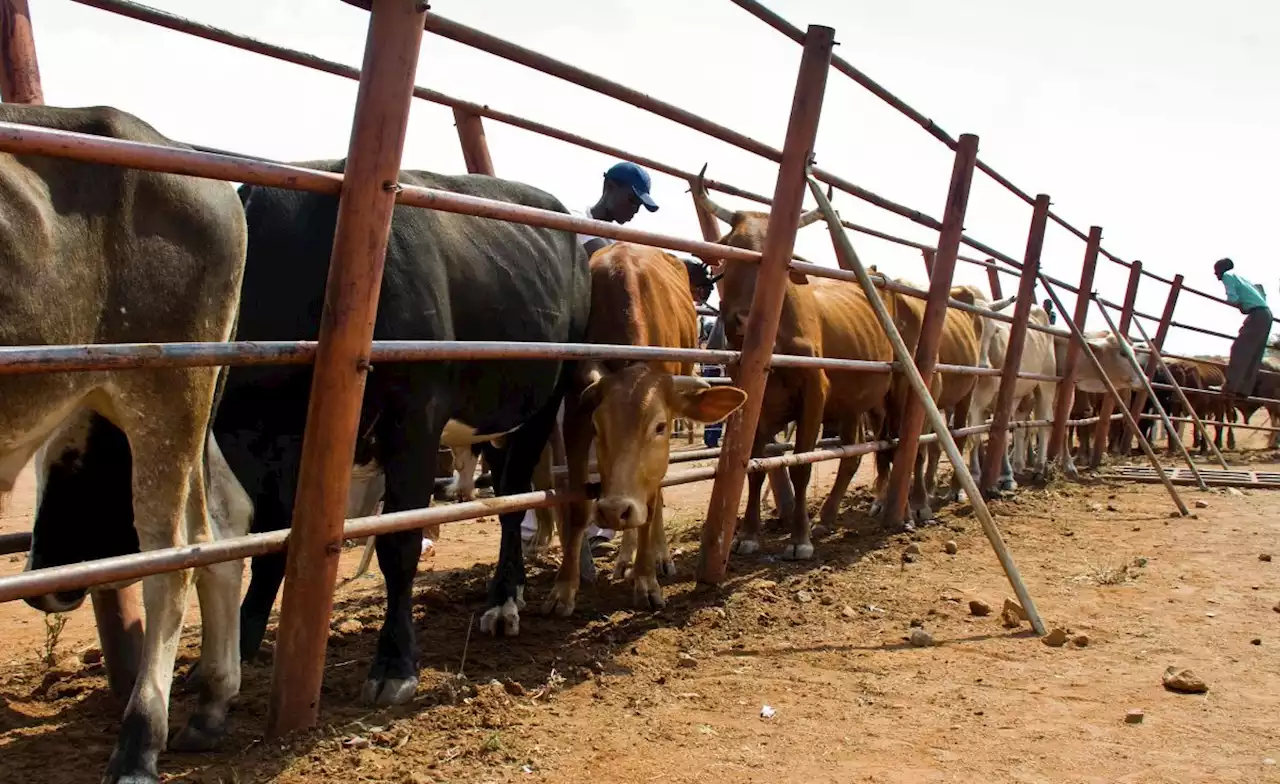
[342, 356]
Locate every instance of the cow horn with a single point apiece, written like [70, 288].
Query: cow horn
[687, 383]
[704, 201]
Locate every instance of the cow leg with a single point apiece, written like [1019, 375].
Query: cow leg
[646, 591]
[747, 540]
[578, 433]
[524, 448]
[546, 516]
[918, 509]
[464, 482]
[626, 555]
[850, 433]
[808, 427]
[662, 561]
[784, 498]
[169, 506]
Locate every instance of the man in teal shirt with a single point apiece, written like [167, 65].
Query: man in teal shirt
[1248, 348]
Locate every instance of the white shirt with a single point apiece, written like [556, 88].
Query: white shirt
[583, 239]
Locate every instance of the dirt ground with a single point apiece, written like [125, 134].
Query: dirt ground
[678, 695]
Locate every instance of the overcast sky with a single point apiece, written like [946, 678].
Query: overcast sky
[1155, 119]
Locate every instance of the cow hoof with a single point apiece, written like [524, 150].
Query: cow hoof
[923, 515]
[666, 568]
[197, 739]
[391, 691]
[876, 508]
[520, 602]
[797, 552]
[745, 546]
[620, 572]
[560, 602]
[144, 773]
[647, 594]
[132, 778]
[1007, 485]
[504, 617]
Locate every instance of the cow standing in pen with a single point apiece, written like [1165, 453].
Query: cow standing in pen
[640, 296]
[102, 254]
[820, 318]
[447, 277]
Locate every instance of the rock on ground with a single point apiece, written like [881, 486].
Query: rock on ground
[981, 609]
[1183, 681]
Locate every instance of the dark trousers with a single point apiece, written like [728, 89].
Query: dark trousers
[711, 434]
[1247, 351]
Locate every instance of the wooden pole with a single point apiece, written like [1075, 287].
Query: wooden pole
[766, 304]
[993, 279]
[939, 423]
[1002, 411]
[784, 495]
[19, 69]
[1127, 350]
[342, 359]
[1182, 397]
[1114, 394]
[1162, 330]
[935, 314]
[475, 149]
[1065, 393]
[1102, 430]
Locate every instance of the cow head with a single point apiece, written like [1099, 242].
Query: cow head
[633, 411]
[1117, 367]
[747, 230]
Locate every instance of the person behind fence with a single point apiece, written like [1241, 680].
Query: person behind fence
[1048, 309]
[625, 190]
[1251, 343]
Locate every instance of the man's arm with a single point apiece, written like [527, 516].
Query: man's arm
[593, 245]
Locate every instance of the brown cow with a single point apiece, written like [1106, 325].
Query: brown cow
[952, 393]
[639, 296]
[820, 318]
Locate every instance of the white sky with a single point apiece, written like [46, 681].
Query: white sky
[1155, 119]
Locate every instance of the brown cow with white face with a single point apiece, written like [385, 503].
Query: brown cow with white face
[639, 296]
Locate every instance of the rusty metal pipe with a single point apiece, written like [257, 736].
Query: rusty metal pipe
[1002, 411]
[766, 306]
[1064, 394]
[942, 270]
[1102, 432]
[1162, 331]
[19, 67]
[342, 360]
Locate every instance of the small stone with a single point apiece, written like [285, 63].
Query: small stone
[916, 623]
[1175, 514]
[1268, 761]
[686, 660]
[1184, 681]
[804, 597]
[1068, 533]
[1112, 508]
[514, 688]
[826, 601]
[1256, 641]
[913, 549]
[91, 656]
[1201, 503]
[819, 531]
[849, 612]
[1265, 557]
[920, 638]
[356, 742]
[1095, 507]
[951, 547]
[1081, 641]
[1137, 528]
[1055, 639]
[1134, 716]
[909, 557]
[1011, 606]
[350, 626]
[979, 608]
[1235, 492]
[1010, 620]
[1277, 607]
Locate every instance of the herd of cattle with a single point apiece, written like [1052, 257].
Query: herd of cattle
[131, 460]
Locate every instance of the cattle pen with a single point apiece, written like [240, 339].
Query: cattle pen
[345, 349]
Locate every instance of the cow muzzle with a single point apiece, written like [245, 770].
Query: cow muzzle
[620, 513]
[61, 602]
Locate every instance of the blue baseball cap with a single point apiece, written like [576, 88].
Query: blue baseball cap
[627, 173]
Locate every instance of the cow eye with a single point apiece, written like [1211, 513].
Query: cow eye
[660, 428]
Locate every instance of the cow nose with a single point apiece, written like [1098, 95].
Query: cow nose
[620, 513]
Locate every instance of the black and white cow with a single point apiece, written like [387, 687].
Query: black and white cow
[125, 459]
[447, 277]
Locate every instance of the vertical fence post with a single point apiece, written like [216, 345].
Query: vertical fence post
[117, 613]
[993, 279]
[342, 359]
[1162, 330]
[1002, 412]
[1103, 431]
[475, 150]
[1066, 390]
[19, 69]
[766, 304]
[935, 314]
[784, 496]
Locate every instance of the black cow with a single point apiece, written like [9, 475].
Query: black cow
[447, 277]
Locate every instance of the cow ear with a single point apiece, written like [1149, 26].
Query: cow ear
[711, 405]
[589, 397]
[797, 277]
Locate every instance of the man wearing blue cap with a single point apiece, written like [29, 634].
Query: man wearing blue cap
[1249, 346]
[626, 188]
